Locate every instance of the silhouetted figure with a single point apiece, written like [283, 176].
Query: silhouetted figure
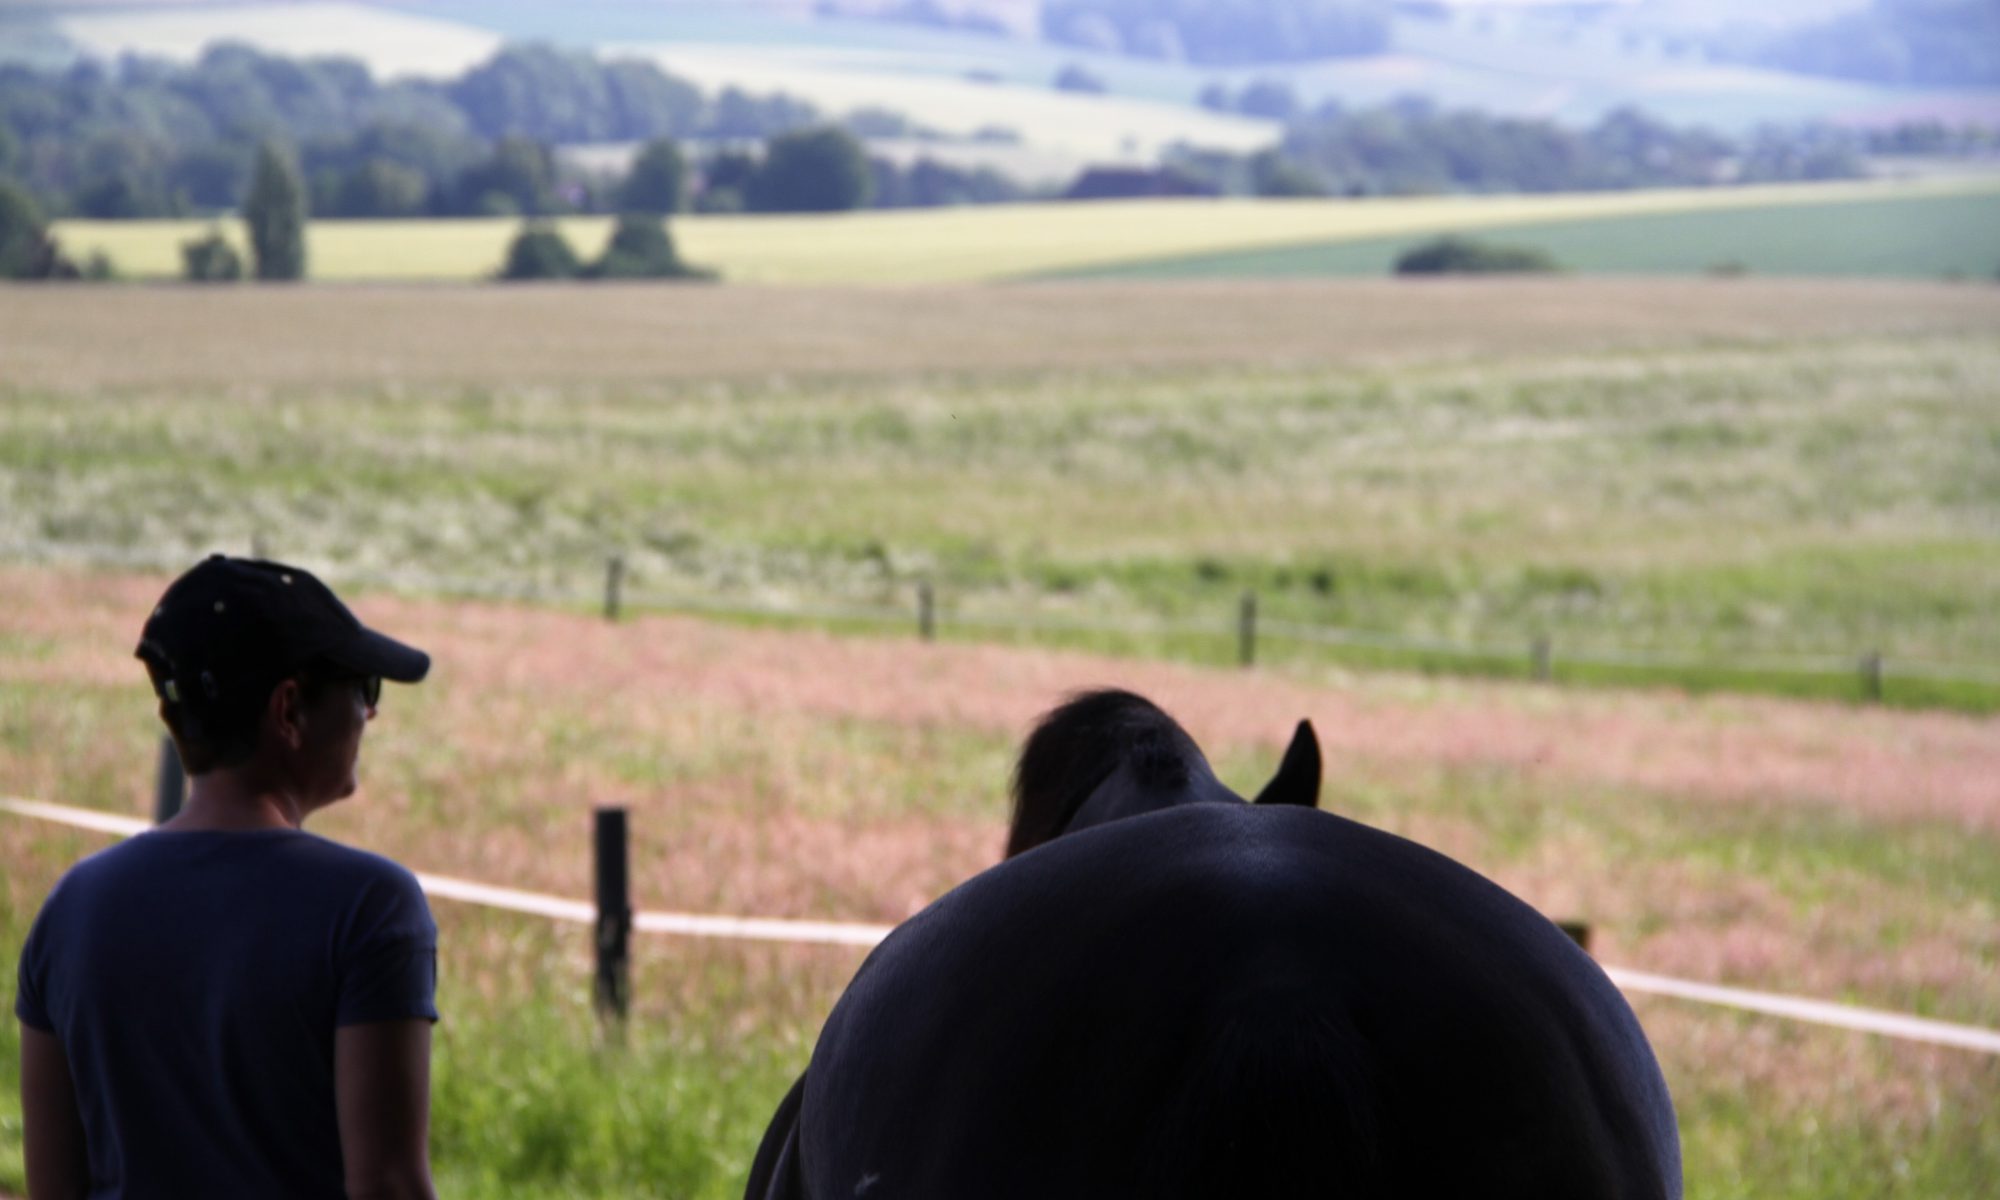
[228, 1006]
[1167, 992]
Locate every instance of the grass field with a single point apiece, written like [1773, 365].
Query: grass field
[1933, 236]
[1013, 241]
[1731, 467]
[1699, 486]
[1833, 852]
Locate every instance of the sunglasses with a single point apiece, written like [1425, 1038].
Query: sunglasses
[368, 687]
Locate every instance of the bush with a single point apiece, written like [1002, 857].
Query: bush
[539, 251]
[641, 248]
[1453, 255]
[210, 259]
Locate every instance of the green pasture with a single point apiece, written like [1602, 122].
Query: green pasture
[1745, 506]
[992, 242]
[1938, 236]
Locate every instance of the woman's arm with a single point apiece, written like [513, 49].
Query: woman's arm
[58, 1164]
[382, 1089]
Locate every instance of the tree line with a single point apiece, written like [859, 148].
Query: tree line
[1412, 146]
[148, 138]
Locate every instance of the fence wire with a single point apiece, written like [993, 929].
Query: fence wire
[1559, 653]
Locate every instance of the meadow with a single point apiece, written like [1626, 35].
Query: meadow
[1729, 472]
[1736, 468]
[990, 242]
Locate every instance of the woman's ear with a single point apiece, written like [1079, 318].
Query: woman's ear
[285, 714]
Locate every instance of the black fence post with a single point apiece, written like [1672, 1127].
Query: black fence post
[169, 783]
[1578, 932]
[1246, 631]
[1871, 676]
[926, 611]
[614, 913]
[614, 585]
[1541, 654]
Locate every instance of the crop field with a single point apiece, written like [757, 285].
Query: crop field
[1737, 468]
[1832, 852]
[994, 242]
[1934, 236]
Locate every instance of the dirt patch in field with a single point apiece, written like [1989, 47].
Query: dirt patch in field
[522, 334]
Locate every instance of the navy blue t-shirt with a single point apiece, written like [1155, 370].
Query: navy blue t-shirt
[195, 980]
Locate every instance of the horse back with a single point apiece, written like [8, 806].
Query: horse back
[1232, 1000]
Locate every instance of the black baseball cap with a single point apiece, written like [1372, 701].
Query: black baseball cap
[230, 629]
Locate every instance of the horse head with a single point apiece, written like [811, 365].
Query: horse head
[1106, 754]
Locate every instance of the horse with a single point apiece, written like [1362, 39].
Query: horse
[1165, 991]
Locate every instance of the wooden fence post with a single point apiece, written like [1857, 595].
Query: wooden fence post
[614, 913]
[1541, 654]
[1871, 676]
[1246, 630]
[614, 585]
[926, 611]
[169, 783]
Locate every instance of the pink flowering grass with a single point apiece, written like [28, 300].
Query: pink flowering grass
[1838, 852]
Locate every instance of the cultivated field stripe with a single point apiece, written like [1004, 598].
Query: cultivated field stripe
[1797, 1008]
[962, 244]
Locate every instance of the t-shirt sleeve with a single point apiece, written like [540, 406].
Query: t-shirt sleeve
[30, 1004]
[390, 972]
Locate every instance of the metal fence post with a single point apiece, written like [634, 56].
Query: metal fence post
[926, 611]
[1246, 630]
[614, 583]
[1871, 676]
[169, 783]
[614, 913]
[1541, 655]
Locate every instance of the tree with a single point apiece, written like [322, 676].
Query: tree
[520, 177]
[540, 251]
[812, 170]
[26, 250]
[658, 180]
[641, 248]
[275, 210]
[210, 259]
[1272, 174]
[379, 188]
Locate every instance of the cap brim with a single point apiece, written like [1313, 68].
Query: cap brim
[372, 653]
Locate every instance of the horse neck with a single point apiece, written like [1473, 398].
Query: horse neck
[1122, 794]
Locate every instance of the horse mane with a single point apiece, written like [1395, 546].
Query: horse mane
[1078, 744]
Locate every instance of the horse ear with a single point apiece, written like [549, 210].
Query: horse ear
[1297, 780]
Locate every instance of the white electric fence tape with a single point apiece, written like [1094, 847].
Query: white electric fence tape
[1819, 1012]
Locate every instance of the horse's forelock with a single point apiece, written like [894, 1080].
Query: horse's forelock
[1078, 744]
